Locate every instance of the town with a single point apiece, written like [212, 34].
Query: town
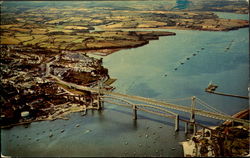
[52, 64]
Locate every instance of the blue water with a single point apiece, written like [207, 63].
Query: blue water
[226, 15]
[182, 4]
[147, 71]
[141, 71]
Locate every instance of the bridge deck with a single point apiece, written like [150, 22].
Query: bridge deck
[155, 102]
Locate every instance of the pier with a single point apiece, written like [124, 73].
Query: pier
[211, 89]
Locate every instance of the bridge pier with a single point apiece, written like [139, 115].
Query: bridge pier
[194, 128]
[186, 127]
[134, 112]
[177, 123]
[100, 103]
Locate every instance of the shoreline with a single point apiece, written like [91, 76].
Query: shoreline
[190, 146]
[51, 117]
[178, 28]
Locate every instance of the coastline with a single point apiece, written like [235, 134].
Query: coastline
[113, 131]
[192, 149]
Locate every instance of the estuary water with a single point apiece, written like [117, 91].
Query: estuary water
[164, 69]
[182, 66]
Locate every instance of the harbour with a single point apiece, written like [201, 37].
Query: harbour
[142, 124]
[163, 70]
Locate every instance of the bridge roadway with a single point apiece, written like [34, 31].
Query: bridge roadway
[155, 102]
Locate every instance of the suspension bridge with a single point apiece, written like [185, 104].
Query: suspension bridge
[153, 106]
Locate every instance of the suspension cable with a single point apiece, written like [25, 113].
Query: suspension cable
[175, 99]
[208, 106]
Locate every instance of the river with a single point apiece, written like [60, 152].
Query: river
[147, 71]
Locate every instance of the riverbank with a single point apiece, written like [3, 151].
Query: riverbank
[223, 140]
[111, 132]
[30, 94]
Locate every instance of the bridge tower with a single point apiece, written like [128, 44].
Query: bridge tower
[192, 114]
